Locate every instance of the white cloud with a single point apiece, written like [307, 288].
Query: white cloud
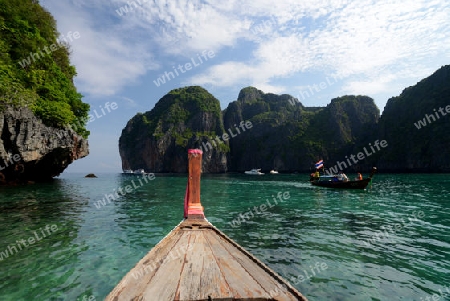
[129, 102]
[235, 72]
[184, 27]
[366, 39]
[105, 59]
[374, 40]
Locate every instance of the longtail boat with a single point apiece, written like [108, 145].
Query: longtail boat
[196, 261]
[331, 181]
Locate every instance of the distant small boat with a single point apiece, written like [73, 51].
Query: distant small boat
[136, 172]
[274, 172]
[254, 172]
[334, 181]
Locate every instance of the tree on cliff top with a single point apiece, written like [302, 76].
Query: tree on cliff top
[32, 76]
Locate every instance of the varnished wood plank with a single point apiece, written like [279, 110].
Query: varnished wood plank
[135, 281]
[265, 277]
[241, 283]
[267, 271]
[201, 277]
[194, 264]
[164, 285]
[194, 207]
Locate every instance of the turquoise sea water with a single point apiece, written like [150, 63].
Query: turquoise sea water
[391, 242]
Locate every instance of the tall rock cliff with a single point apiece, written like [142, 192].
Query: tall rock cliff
[274, 119]
[38, 99]
[184, 118]
[288, 136]
[269, 131]
[416, 125]
[343, 128]
[30, 150]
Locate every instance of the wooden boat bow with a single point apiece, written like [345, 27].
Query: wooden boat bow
[196, 261]
[193, 208]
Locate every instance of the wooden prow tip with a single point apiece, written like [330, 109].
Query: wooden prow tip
[193, 208]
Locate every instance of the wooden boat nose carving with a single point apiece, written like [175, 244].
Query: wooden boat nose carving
[196, 261]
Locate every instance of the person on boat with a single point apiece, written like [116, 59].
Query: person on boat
[345, 177]
[342, 176]
[317, 174]
[359, 177]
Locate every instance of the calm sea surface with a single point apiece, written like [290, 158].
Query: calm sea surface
[391, 242]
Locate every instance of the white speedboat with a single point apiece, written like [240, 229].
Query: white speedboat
[254, 172]
[139, 172]
[128, 171]
[274, 172]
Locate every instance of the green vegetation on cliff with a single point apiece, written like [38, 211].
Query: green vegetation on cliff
[287, 136]
[30, 74]
[178, 107]
[416, 126]
[184, 118]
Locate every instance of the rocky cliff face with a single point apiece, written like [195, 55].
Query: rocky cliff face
[265, 145]
[258, 130]
[290, 137]
[342, 129]
[416, 125]
[32, 151]
[185, 118]
[271, 131]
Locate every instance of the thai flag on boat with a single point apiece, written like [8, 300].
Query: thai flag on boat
[319, 164]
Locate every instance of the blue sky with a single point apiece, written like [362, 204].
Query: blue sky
[312, 51]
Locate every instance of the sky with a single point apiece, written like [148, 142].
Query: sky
[129, 54]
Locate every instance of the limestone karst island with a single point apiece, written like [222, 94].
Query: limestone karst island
[224, 150]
